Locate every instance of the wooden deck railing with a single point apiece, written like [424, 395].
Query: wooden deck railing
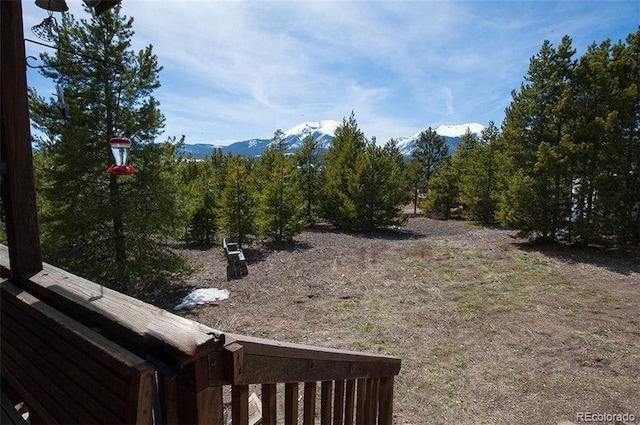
[207, 376]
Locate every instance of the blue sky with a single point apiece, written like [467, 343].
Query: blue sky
[236, 70]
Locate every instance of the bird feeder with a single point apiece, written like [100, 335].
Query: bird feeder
[53, 5]
[120, 148]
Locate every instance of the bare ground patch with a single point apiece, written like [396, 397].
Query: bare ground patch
[490, 329]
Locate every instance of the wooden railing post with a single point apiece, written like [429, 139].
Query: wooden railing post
[240, 404]
[361, 401]
[349, 402]
[371, 403]
[291, 403]
[269, 404]
[309, 410]
[326, 399]
[338, 403]
[386, 401]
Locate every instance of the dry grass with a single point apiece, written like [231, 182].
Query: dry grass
[490, 330]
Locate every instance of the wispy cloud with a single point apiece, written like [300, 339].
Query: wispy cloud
[236, 70]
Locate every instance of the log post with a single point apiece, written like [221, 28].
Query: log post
[16, 162]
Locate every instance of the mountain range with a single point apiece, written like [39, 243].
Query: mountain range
[323, 132]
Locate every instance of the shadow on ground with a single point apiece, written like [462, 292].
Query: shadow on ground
[616, 260]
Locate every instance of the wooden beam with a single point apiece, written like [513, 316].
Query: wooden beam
[18, 186]
[267, 361]
[134, 324]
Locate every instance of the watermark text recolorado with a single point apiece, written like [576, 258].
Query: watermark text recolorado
[604, 417]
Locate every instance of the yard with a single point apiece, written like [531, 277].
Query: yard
[490, 329]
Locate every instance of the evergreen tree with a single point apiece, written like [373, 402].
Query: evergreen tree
[444, 191]
[202, 188]
[238, 206]
[534, 126]
[363, 183]
[478, 177]
[307, 159]
[281, 211]
[340, 177]
[430, 152]
[603, 144]
[587, 140]
[380, 192]
[571, 135]
[625, 125]
[443, 195]
[94, 224]
[413, 176]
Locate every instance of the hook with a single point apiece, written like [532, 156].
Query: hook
[33, 66]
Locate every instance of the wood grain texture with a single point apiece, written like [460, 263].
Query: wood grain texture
[240, 404]
[268, 361]
[349, 402]
[66, 372]
[386, 401]
[361, 401]
[269, 403]
[291, 403]
[309, 409]
[139, 326]
[8, 414]
[326, 398]
[18, 186]
[338, 403]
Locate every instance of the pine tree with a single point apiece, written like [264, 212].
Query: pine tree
[380, 192]
[534, 126]
[625, 72]
[94, 224]
[238, 206]
[281, 211]
[430, 152]
[444, 191]
[201, 185]
[479, 177]
[603, 143]
[413, 176]
[308, 159]
[443, 194]
[339, 176]
[587, 140]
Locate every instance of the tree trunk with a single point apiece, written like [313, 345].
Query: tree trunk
[118, 229]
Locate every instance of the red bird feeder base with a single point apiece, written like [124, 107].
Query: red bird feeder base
[122, 170]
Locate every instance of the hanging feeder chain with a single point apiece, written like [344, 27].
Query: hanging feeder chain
[93, 58]
[65, 111]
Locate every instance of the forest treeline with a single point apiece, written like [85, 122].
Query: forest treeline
[565, 164]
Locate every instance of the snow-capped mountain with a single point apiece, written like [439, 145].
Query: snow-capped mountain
[452, 135]
[323, 131]
[459, 130]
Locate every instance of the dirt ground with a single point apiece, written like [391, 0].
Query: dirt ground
[490, 329]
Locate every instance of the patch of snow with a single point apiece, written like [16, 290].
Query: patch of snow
[460, 129]
[324, 127]
[253, 142]
[202, 296]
